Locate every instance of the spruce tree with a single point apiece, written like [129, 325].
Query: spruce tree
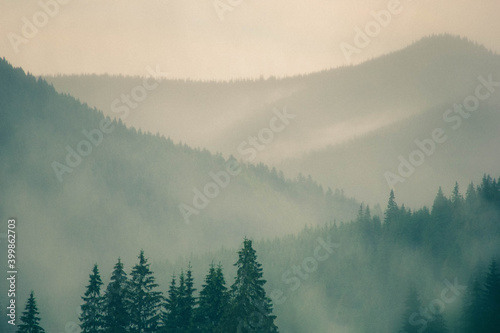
[30, 318]
[171, 315]
[412, 309]
[188, 302]
[391, 212]
[116, 317]
[180, 305]
[471, 197]
[439, 232]
[251, 309]
[492, 299]
[213, 302]
[144, 302]
[91, 318]
[181, 290]
[456, 198]
[472, 308]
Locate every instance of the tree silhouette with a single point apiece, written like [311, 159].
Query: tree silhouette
[492, 299]
[171, 315]
[251, 309]
[412, 322]
[472, 308]
[144, 302]
[92, 317]
[30, 318]
[116, 317]
[213, 301]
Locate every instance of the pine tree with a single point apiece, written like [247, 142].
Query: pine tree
[492, 299]
[439, 232]
[486, 190]
[171, 315]
[180, 305]
[144, 302]
[441, 203]
[472, 308]
[91, 318]
[30, 318]
[213, 302]
[456, 198]
[188, 302]
[391, 211]
[116, 317]
[251, 309]
[361, 214]
[471, 196]
[181, 290]
[412, 307]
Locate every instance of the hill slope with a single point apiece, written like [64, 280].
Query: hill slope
[337, 114]
[83, 187]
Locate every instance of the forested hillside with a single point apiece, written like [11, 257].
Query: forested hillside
[352, 123]
[366, 268]
[95, 188]
[429, 270]
[89, 189]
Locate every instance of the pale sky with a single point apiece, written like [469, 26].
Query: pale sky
[187, 39]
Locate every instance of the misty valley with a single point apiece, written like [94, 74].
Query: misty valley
[364, 198]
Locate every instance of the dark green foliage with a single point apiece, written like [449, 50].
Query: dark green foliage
[491, 305]
[481, 304]
[180, 304]
[391, 212]
[456, 197]
[472, 308]
[418, 320]
[30, 318]
[143, 300]
[188, 301]
[117, 183]
[250, 309]
[364, 275]
[92, 316]
[412, 308]
[349, 283]
[438, 230]
[172, 309]
[213, 301]
[116, 316]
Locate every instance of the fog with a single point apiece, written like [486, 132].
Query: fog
[188, 40]
[367, 180]
[355, 120]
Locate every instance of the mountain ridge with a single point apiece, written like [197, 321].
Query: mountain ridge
[430, 72]
[124, 193]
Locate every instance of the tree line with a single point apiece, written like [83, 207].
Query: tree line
[370, 275]
[133, 304]
[480, 308]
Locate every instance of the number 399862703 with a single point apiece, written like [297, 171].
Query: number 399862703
[11, 239]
